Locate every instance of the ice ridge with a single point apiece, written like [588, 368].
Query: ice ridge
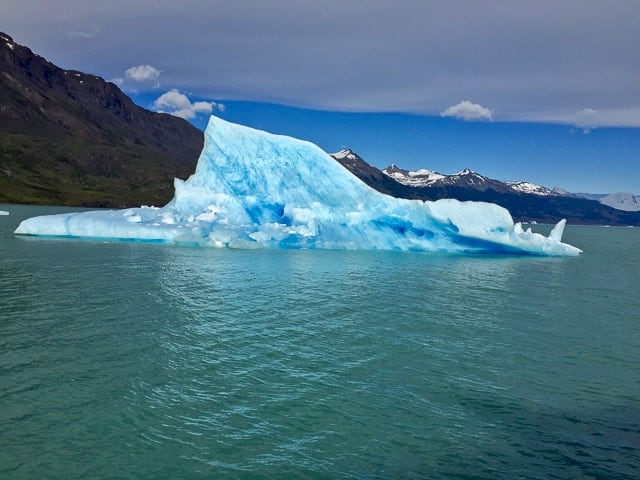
[254, 189]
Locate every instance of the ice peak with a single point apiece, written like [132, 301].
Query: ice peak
[556, 234]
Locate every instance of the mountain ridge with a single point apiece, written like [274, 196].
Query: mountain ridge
[71, 138]
[425, 177]
[527, 202]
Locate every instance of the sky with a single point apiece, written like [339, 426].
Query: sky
[543, 91]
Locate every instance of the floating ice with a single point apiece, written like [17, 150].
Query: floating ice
[255, 189]
[3, 212]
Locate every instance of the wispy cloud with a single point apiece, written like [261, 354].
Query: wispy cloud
[141, 73]
[178, 104]
[589, 118]
[91, 32]
[468, 111]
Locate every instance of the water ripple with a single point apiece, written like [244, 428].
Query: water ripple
[133, 361]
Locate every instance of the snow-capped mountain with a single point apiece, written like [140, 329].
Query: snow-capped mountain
[525, 200]
[622, 201]
[465, 177]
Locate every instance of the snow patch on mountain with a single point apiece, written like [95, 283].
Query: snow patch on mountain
[415, 178]
[8, 42]
[532, 188]
[346, 153]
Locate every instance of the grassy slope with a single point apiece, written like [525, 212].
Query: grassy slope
[67, 138]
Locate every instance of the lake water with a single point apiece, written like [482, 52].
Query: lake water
[124, 360]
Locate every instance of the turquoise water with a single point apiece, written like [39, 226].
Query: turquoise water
[122, 360]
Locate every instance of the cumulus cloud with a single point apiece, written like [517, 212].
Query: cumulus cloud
[140, 73]
[177, 103]
[468, 111]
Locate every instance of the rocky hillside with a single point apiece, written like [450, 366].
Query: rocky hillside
[69, 138]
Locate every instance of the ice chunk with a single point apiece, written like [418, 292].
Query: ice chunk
[3, 212]
[254, 189]
[558, 230]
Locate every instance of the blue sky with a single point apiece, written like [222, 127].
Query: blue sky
[601, 160]
[543, 91]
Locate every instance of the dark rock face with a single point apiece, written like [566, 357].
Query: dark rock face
[70, 138]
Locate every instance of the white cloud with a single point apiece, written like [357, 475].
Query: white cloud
[468, 111]
[173, 100]
[587, 118]
[177, 103]
[140, 73]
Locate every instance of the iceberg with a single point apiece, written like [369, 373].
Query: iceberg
[253, 189]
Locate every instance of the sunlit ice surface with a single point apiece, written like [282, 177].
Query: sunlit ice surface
[253, 189]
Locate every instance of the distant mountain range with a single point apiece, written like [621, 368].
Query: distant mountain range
[526, 201]
[621, 201]
[70, 138]
[428, 178]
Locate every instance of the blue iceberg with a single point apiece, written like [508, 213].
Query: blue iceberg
[253, 189]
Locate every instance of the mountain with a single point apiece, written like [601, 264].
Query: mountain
[622, 201]
[464, 178]
[526, 201]
[70, 138]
